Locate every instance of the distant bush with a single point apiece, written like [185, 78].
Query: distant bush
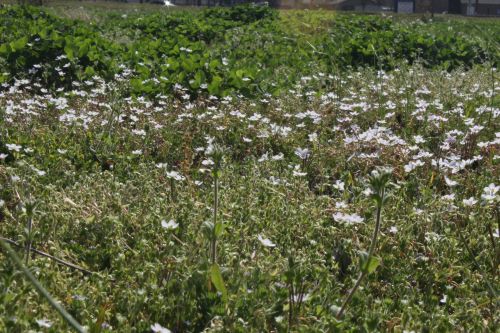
[217, 51]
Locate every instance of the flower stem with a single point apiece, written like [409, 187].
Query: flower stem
[364, 271]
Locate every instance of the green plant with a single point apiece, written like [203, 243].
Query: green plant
[379, 180]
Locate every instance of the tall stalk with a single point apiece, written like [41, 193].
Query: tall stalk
[213, 244]
[378, 183]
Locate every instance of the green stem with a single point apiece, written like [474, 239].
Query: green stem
[28, 241]
[213, 250]
[364, 271]
[41, 290]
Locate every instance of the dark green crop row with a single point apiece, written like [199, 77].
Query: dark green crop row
[219, 51]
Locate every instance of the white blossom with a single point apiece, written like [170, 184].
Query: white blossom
[170, 225]
[489, 192]
[157, 328]
[348, 218]
[265, 241]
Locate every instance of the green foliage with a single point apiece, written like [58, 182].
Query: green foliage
[218, 51]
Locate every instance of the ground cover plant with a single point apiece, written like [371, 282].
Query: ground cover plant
[248, 170]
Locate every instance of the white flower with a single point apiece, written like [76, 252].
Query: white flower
[44, 323]
[175, 175]
[469, 202]
[137, 152]
[170, 225]
[3, 156]
[339, 185]
[367, 192]
[265, 241]
[139, 132]
[448, 197]
[489, 192]
[313, 137]
[340, 204]
[207, 162]
[278, 157]
[2, 203]
[62, 151]
[450, 182]
[348, 218]
[418, 139]
[157, 328]
[412, 165]
[393, 230]
[299, 174]
[14, 147]
[302, 153]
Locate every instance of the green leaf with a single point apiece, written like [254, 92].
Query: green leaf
[68, 49]
[219, 228]
[216, 278]
[369, 265]
[214, 86]
[18, 44]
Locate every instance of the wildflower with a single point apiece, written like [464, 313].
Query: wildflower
[170, 225]
[368, 192]
[207, 162]
[2, 203]
[450, 182]
[313, 137]
[278, 157]
[489, 192]
[339, 185]
[448, 197]
[137, 152]
[157, 328]
[263, 158]
[62, 151]
[348, 218]
[340, 205]
[3, 156]
[139, 132]
[418, 139]
[469, 202]
[393, 230]
[412, 165]
[175, 175]
[265, 241]
[13, 147]
[297, 172]
[44, 323]
[302, 153]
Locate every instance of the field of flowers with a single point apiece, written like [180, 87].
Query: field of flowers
[248, 170]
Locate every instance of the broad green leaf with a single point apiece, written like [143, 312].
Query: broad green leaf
[216, 278]
[369, 265]
[219, 228]
[19, 44]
